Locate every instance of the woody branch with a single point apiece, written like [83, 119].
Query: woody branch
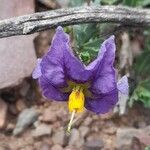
[36, 22]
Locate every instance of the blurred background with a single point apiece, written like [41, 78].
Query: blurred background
[29, 122]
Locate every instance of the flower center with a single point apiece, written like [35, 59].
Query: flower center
[75, 103]
[76, 100]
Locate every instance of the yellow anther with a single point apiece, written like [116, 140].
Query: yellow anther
[76, 100]
[75, 104]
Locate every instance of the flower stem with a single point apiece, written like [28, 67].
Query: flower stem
[71, 121]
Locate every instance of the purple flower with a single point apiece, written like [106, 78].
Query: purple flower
[123, 86]
[62, 77]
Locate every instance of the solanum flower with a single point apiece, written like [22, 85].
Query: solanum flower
[63, 77]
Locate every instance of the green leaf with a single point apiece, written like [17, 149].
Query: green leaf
[130, 2]
[147, 148]
[141, 93]
[93, 43]
[108, 2]
[93, 47]
[142, 65]
[85, 57]
[79, 35]
[91, 31]
[83, 33]
[87, 41]
[75, 3]
[142, 3]
[135, 3]
[96, 2]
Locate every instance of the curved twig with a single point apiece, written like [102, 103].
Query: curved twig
[45, 20]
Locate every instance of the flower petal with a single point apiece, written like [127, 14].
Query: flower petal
[74, 68]
[37, 71]
[123, 85]
[50, 91]
[103, 103]
[52, 65]
[60, 63]
[105, 76]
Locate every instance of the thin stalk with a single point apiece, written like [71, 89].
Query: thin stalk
[71, 121]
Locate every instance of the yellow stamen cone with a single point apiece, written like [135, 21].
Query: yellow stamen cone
[76, 101]
[75, 104]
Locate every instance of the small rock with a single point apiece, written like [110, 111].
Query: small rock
[57, 124]
[75, 138]
[15, 66]
[136, 145]
[26, 118]
[143, 138]
[20, 105]
[87, 121]
[36, 123]
[42, 130]
[37, 145]
[45, 146]
[49, 115]
[10, 127]
[84, 130]
[12, 109]
[62, 114]
[20, 143]
[110, 131]
[107, 116]
[94, 145]
[58, 137]
[141, 124]
[56, 147]
[95, 117]
[3, 113]
[4, 146]
[146, 130]
[70, 148]
[48, 140]
[124, 137]
[24, 88]
[109, 124]
[46, 103]
[94, 128]
[27, 147]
